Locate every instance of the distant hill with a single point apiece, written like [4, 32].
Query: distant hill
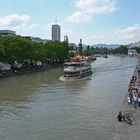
[132, 45]
[101, 45]
[106, 45]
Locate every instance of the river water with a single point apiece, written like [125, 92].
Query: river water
[40, 107]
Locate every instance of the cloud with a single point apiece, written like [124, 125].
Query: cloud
[78, 17]
[96, 6]
[16, 21]
[130, 30]
[125, 35]
[86, 8]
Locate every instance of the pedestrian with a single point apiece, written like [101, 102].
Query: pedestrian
[135, 101]
[129, 88]
[131, 97]
[120, 116]
[128, 99]
[139, 100]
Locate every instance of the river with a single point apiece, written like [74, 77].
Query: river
[39, 106]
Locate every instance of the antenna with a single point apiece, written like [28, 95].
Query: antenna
[56, 21]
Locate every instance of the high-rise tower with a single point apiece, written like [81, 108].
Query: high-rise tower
[56, 32]
[66, 38]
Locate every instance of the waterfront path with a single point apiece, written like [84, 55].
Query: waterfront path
[123, 130]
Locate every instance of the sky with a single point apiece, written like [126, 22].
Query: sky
[93, 21]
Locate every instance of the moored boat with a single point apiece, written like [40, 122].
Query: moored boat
[76, 70]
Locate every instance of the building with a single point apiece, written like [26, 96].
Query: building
[38, 40]
[72, 46]
[132, 52]
[7, 33]
[56, 32]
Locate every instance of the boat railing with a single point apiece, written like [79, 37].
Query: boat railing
[69, 68]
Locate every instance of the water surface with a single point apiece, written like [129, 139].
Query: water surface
[39, 106]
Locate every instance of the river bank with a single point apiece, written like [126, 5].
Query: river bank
[27, 70]
[123, 130]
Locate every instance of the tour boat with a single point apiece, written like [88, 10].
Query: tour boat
[76, 70]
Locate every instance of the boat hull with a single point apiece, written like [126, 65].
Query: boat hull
[87, 76]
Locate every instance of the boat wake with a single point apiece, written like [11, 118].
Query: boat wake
[112, 69]
[62, 78]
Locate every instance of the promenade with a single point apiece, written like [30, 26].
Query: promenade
[123, 130]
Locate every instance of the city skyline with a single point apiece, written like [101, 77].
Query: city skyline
[95, 21]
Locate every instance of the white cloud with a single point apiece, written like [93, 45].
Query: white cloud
[96, 6]
[86, 8]
[17, 21]
[79, 17]
[122, 36]
[13, 20]
[125, 35]
[130, 30]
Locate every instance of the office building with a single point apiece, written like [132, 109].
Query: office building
[38, 40]
[56, 32]
[7, 33]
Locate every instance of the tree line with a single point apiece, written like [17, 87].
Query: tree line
[123, 49]
[18, 48]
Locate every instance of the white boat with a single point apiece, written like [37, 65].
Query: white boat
[76, 70]
[132, 52]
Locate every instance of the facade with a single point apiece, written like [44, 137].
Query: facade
[72, 46]
[56, 32]
[7, 33]
[66, 38]
[132, 52]
[38, 40]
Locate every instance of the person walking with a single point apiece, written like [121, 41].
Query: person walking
[119, 116]
[128, 99]
[135, 101]
[139, 100]
[131, 97]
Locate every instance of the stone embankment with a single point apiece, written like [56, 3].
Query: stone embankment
[123, 130]
[27, 68]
